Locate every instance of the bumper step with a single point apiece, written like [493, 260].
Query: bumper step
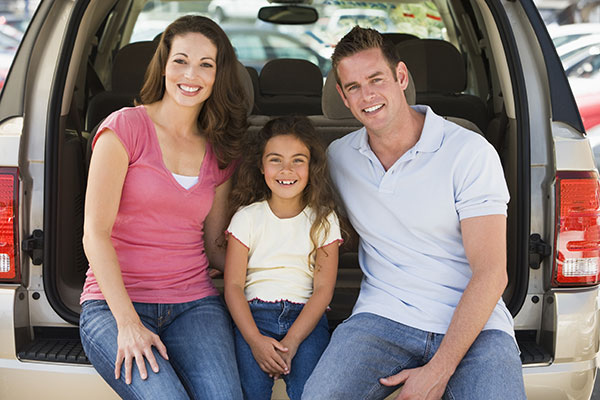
[69, 350]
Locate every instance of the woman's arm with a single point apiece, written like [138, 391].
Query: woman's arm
[263, 347]
[108, 168]
[215, 224]
[323, 287]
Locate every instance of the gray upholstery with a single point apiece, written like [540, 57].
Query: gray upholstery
[129, 66]
[440, 78]
[289, 86]
[397, 37]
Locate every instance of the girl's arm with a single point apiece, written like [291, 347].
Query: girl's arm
[215, 224]
[263, 347]
[106, 176]
[324, 283]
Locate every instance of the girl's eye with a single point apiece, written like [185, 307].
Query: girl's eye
[206, 65]
[274, 160]
[298, 160]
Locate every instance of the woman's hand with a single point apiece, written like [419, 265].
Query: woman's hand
[135, 341]
[266, 353]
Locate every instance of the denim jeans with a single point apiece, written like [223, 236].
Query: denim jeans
[274, 320]
[199, 340]
[367, 347]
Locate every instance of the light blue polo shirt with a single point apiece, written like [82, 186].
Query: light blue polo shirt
[408, 218]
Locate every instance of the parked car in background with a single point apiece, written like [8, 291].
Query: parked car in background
[562, 34]
[254, 47]
[223, 10]
[499, 68]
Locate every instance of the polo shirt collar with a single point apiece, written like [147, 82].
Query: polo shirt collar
[431, 136]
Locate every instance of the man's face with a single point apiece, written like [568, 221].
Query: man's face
[369, 89]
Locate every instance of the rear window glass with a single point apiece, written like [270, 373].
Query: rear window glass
[257, 42]
[14, 20]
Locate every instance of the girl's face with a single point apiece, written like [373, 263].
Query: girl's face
[191, 69]
[285, 164]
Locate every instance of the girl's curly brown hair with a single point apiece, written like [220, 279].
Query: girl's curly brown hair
[250, 185]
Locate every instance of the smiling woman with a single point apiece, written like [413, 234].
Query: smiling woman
[171, 157]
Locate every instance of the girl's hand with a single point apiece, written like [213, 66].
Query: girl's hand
[288, 355]
[135, 341]
[266, 352]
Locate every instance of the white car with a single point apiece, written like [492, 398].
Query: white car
[222, 10]
[499, 66]
[562, 34]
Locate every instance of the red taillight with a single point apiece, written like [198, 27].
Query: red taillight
[9, 240]
[577, 238]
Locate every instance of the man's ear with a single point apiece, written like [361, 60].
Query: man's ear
[402, 75]
[342, 95]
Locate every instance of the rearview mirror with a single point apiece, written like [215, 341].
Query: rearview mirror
[289, 15]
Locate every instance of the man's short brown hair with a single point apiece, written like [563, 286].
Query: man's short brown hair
[359, 39]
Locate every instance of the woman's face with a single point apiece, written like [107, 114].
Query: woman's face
[191, 69]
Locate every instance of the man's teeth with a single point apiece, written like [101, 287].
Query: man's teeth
[286, 182]
[371, 109]
[189, 88]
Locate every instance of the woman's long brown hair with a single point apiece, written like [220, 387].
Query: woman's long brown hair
[223, 116]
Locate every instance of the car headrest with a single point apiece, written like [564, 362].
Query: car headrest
[397, 37]
[287, 76]
[246, 82]
[333, 106]
[129, 66]
[437, 66]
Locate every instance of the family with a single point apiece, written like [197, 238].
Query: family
[426, 197]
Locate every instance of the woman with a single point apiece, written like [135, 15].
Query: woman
[155, 203]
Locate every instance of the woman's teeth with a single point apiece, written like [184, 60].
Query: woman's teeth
[189, 88]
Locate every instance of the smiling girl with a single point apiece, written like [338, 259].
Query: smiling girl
[282, 257]
[158, 182]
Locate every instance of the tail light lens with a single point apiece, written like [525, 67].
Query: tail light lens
[9, 241]
[577, 237]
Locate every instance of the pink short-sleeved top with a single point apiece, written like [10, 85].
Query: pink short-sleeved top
[158, 231]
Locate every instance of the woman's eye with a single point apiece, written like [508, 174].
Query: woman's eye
[179, 61]
[207, 65]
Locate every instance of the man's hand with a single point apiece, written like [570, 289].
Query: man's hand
[266, 352]
[425, 383]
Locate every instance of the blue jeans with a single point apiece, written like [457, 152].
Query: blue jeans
[274, 320]
[367, 347]
[199, 340]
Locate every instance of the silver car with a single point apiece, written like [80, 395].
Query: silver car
[498, 73]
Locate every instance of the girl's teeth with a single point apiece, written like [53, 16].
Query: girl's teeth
[371, 109]
[286, 182]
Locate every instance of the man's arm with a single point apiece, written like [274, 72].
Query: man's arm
[484, 239]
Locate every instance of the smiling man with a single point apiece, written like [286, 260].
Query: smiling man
[428, 200]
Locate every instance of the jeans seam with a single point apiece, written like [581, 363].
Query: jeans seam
[393, 371]
[448, 393]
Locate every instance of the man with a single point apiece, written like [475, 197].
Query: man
[428, 200]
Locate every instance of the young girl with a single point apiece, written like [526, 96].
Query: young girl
[282, 257]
